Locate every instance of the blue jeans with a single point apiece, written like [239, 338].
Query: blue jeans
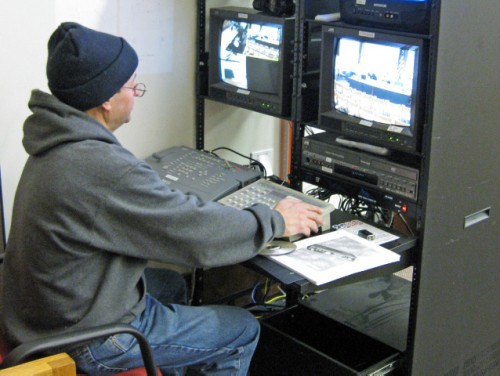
[214, 340]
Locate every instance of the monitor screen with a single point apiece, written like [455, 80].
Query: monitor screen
[374, 81]
[246, 48]
[250, 59]
[372, 86]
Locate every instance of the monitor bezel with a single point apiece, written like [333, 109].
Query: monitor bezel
[402, 138]
[279, 104]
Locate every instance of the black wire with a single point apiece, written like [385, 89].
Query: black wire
[320, 193]
[253, 161]
[369, 211]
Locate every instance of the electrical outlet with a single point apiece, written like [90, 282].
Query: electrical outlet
[265, 157]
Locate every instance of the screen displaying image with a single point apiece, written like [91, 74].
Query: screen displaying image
[249, 55]
[374, 81]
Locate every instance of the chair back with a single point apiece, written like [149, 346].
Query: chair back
[27, 351]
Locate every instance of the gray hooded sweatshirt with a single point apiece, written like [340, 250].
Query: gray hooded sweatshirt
[87, 217]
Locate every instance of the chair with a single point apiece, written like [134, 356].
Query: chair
[27, 351]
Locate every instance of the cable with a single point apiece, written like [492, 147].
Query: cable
[263, 303]
[265, 291]
[275, 299]
[254, 162]
[320, 193]
[252, 295]
[367, 211]
[406, 224]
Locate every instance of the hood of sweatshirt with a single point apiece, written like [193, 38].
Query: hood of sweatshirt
[54, 123]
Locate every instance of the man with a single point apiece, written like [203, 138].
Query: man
[88, 216]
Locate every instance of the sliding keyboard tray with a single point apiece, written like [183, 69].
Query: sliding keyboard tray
[402, 246]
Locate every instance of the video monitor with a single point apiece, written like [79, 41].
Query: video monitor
[250, 59]
[372, 86]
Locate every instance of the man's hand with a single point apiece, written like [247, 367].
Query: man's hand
[300, 218]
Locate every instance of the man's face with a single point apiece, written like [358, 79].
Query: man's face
[122, 104]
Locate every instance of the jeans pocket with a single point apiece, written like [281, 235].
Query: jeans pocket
[108, 356]
[114, 345]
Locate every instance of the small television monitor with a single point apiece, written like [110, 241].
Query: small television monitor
[250, 59]
[372, 86]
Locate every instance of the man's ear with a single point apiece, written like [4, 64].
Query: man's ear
[106, 106]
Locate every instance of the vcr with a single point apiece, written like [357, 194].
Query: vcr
[320, 153]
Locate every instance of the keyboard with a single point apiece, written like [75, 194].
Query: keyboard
[201, 173]
[269, 193]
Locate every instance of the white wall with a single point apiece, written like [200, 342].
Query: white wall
[164, 34]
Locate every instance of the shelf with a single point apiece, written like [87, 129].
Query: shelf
[300, 341]
[403, 246]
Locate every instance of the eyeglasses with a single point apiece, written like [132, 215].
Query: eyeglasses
[139, 89]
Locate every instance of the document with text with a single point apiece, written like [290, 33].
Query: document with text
[327, 257]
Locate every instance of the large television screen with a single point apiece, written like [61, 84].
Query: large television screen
[372, 86]
[250, 59]
[374, 81]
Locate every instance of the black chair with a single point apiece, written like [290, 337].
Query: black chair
[30, 350]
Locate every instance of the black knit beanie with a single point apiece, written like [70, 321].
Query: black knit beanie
[86, 67]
